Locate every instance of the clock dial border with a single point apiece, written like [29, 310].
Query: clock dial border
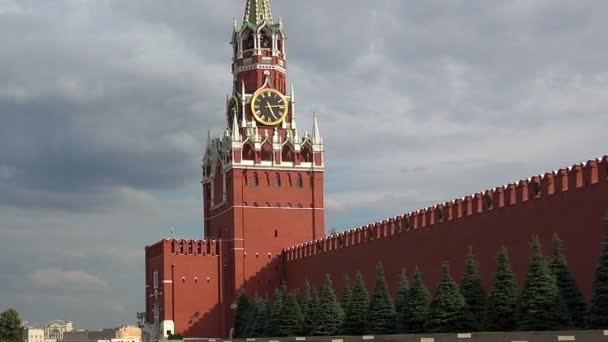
[262, 120]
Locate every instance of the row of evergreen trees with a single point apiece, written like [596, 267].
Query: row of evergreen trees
[549, 300]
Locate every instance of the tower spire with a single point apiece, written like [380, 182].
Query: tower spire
[257, 11]
[316, 135]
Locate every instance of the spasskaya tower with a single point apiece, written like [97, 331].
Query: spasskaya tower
[262, 178]
[262, 193]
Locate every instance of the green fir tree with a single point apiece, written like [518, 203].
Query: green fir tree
[381, 308]
[310, 302]
[569, 291]
[275, 311]
[314, 315]
[330, 316]
[172, 337]
[401, 300]
[415, 312]
[502, 300]
[474, 295]
[355, 323]
[290, 322]
[598, 310]
[540, 306]
[262, 318]
[243, 316]
[10, 326]
[346, 300]
[448, 308]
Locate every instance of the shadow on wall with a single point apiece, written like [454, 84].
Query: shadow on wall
[263, 283]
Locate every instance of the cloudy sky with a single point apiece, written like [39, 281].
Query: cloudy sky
[105, 105]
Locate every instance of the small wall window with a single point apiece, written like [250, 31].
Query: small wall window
[299, 181]
[181, 247]
[277, 180]
[254, 180]
[276, 233]
[155, 279]
[278, 205]
[255, 204]
[300, 205]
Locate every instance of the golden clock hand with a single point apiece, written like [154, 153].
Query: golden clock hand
[271, 111]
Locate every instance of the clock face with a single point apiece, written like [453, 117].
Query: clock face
[269, 106]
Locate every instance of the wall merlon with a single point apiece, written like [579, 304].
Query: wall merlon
[562, 180]
[603, 169]
[522, 190]
[548, 184]
[499, 197]
[575, 176]
[468, 205]
[591, 172]
[478, 206]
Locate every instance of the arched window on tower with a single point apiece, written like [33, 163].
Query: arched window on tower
[254, 180]
[277, 180]
[306, 153]
[299, 181]
[265, 40]
[287, 154]
[248, 41]
[248, 153]
[289, 182]
[267, 152]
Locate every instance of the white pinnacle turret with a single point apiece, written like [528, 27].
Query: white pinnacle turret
[292, 97]
[316, 136]
[236, 135]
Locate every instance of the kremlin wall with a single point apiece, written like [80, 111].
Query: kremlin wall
[571, 202]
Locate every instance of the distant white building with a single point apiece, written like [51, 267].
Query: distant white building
[120, 334]
[55, 329]
[33, 334]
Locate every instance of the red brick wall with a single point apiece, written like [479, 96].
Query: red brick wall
[189, 281]
[571, 203]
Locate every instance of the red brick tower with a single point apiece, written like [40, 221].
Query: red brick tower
[262, 190]
[262, 181]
